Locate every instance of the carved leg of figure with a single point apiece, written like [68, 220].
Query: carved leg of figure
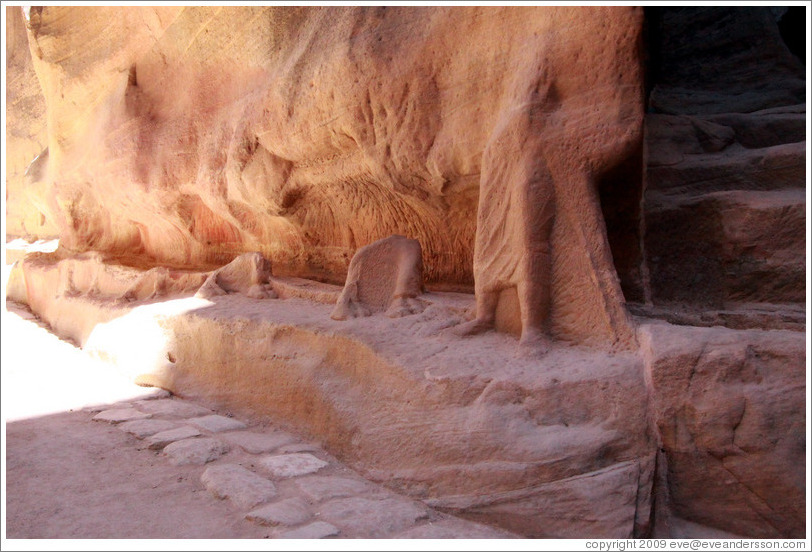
[485, 317]
[533, 285]
[348, 305]
[408, 286]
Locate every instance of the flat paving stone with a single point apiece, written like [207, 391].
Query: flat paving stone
[195, 451]
[258, 443]
[216, 423]
[318, 487]
[119, 415]
[94, 408]
[243, 487]
[454, 529]
[145, 428]
[315, 530]
[292, 511]
[300, 447]
[172, 407]
[372, 518]
[160, 440]
[291, 465]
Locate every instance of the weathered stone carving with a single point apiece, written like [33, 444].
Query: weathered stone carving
[356, 124]
[385, 275]
[249, 273]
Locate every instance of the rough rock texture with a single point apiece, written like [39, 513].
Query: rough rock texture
[195, 451]
[375, 518]
[216, 423]
[27, 205]
[315, 530]
[507, 142]
[291, 465]
[159, 440]
[385, 275]
[725, 204]
[292, 511]
[729, 408]
[242, 486]
[309, 132]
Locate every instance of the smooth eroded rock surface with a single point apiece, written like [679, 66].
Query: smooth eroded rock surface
[314, 131]
[319, 488]
[315, 530]
[146, 428]
[216, 423]
[258, 443]
[174, 408]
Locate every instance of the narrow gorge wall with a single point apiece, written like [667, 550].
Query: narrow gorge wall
[622, 189]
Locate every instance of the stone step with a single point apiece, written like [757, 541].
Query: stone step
[721, 247]
[732, 168]
[672, 138]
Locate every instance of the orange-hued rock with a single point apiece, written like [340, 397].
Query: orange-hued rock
[413, 153]
[28, 213]
[187, 136]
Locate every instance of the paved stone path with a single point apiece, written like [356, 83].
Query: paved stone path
[276, 479]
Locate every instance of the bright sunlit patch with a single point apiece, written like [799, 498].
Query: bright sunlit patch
[45, 246]
[44, 375]
[137, 342]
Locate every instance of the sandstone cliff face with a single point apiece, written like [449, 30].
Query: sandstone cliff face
[186, 136]
[508, 143]
[27, 209]
[725, 204]
[725, 238]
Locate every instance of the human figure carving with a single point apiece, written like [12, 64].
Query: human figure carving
[540, 230]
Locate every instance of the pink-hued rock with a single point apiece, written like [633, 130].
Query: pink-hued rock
[159, 440]
[291, 465]
[119, 415]
[372, 518]
[728, 406]
[385, 275]
[249, 273]
[195, 451]
[216, 423]
[292, 511]
[324, 129]
[315, 530]
[258, 443]
[242, 486]
[146, 428]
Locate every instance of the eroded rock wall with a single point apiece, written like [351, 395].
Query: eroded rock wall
[304, 134]
[186, 136]
[725, 203]
[28, 213]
